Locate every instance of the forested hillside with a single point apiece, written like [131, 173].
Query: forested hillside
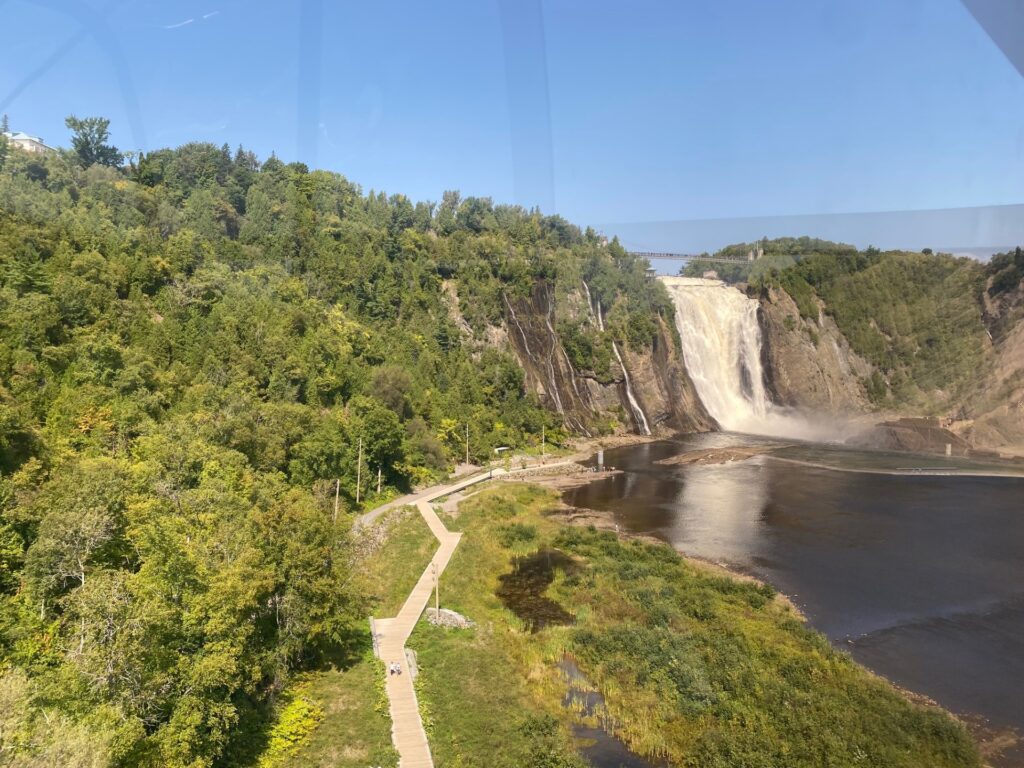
[916, 317]
[926, 333]
[193, 347]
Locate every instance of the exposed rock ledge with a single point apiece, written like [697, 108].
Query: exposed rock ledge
[915, 436]
[719, 455]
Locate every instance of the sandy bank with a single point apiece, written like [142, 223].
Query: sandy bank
[719, 455]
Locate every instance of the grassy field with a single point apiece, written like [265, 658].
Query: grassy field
[696, 668]
[489, 694]
[354, 730]
[709, 671]
[390, 573]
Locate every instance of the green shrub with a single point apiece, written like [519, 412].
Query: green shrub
[297, 717]
[516, 533]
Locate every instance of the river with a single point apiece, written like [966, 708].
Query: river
[919, 576]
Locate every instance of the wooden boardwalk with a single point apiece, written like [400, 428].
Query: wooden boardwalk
[390, 635]
[406, 726]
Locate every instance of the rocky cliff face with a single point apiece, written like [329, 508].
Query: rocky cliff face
[530, 327]
[664, 388]
[809, 364]
[663, 398]
[993, 414]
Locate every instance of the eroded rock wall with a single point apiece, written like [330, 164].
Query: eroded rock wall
[809, 364]
[658, 378]
[992, 416]
[663, 386]
[530, 327]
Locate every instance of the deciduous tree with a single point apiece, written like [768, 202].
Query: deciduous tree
[89, 141]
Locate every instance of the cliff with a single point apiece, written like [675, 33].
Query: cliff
[590, 403]
[664, 387]
[809, 363]
[993, 413]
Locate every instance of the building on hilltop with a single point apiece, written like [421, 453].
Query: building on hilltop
[27, 143]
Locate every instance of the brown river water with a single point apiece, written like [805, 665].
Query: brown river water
[918, 574]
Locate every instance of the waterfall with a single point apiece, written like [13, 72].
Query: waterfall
[638, 413]
[721, 341]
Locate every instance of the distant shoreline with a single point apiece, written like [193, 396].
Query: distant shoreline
[907, 472]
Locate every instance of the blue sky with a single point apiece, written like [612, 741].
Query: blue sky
[670, 123]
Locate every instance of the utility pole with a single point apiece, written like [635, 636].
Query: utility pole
[337, 490]
[467, 442]
[378, 481]
[359, 469]
[542, 441]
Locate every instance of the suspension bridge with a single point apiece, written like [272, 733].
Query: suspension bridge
[688, 257]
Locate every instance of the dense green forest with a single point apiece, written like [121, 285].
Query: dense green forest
[775, 255]
[193, 347]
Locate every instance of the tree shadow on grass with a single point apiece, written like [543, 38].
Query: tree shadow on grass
[257, 716]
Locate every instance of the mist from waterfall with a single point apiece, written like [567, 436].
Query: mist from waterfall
[721, 341]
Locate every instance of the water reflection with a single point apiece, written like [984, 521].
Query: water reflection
[920, 577]
[523, 590]
[724, 506]
[600, 747]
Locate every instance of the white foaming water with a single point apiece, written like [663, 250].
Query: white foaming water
[721, 341]
[638, 413]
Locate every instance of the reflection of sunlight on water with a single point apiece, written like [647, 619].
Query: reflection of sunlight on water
[720, 510]
[630, 484]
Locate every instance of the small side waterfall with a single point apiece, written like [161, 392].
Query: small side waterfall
[541, 354]
[721, 342]
[634, 405]
[638, 412]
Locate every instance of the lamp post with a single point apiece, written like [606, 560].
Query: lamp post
[337, 490]
[437, 595]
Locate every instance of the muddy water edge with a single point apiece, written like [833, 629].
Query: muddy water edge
[917, 577]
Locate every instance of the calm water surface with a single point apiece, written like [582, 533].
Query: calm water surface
[919, 577]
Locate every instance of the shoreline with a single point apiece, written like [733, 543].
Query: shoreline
[991, 741]
[909, 472]
[586, 448]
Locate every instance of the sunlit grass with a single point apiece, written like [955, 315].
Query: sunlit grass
[391, 572]
[355, 730]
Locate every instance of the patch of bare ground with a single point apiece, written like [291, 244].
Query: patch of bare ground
[450, 505]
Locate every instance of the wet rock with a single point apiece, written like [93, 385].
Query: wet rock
[914, 435]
